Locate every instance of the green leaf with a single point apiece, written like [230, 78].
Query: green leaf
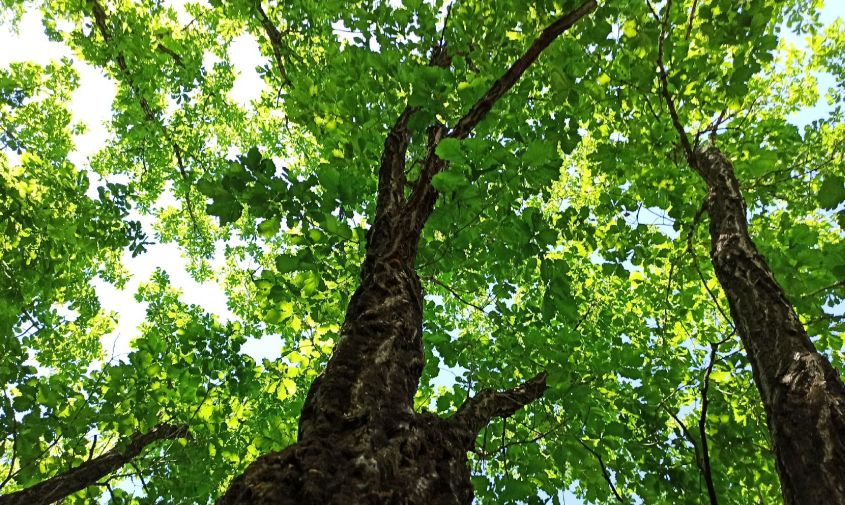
[541, 152]
[720, 376]
[226, 208]
[286, 263]
[832, 192]
[269, 227]
[449, 149]
[448, 181]
[333, 225]
[629, 28]
[252, 159]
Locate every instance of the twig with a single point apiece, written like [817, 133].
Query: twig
[702, 426]
[838, 284]
[604, 471]
[691, 18]
[454, 293]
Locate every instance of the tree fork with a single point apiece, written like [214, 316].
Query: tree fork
[360, 440]
[89, 473]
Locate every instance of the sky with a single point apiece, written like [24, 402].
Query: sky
[91, 105]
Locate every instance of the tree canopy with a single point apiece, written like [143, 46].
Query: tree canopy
[570, 234]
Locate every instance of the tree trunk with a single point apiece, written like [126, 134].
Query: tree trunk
[89, 473]
[359, 439]
[803, 395]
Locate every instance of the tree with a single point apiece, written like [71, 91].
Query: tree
[486, 168]
[803, 395]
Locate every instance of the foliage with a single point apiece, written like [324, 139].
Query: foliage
[567, 238]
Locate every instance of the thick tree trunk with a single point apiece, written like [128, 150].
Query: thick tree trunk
[89, 473]
[803, 395]
[360, 440]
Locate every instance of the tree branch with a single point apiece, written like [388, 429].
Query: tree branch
[479, 110]
[101, 20]
[478, 411]
[391, 176]
[689, 152]
[423, 196]
[604, 471]
[7, 406]
[88, 473]
[454, 293]
[687, 434]
[275, 38]
[702, 426]
[838, 284]
[691, 18]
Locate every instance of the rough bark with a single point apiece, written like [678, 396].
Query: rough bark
[89, 473]
[802, 393]
[360, 440]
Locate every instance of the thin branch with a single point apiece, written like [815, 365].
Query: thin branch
[181, 164]
[170, 52]
[688, 434]
[838, 284]
[702, 426]
[90, 472]
[604, 471]
[93, 447]
[442, 42]
[691, 250]
[11, 415]
[101, 20]
[111, 492]
[454, 293]
[710, 293]
[691, 18]
[423, 196]
[689, 152]
[140, 476]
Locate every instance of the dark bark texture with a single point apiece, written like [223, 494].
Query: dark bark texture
[802, 393]
[360, 440]
[89, 473]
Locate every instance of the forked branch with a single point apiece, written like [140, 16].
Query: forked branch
[424, 196]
